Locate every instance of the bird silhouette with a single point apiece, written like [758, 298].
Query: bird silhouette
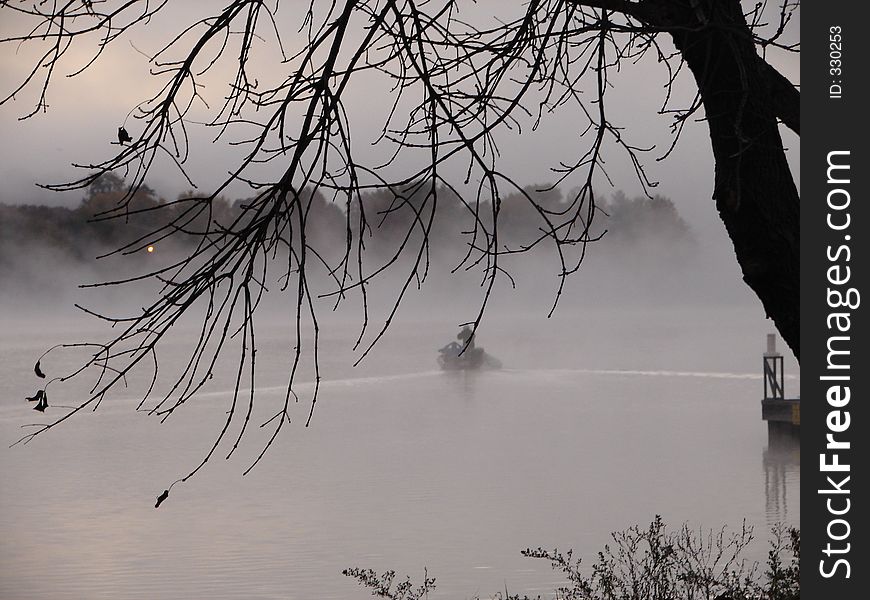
[41, 400]
[42, 404]
[123, 136]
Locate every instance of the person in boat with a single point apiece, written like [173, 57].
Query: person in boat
[451, 350]
[466, 336]
[455, 350]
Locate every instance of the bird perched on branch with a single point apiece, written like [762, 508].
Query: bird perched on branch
[123, 136]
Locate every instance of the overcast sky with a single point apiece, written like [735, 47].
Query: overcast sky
[85, 112]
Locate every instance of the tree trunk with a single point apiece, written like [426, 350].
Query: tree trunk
[754, 189]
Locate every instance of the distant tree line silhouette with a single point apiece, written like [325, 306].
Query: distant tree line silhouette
[94, 228]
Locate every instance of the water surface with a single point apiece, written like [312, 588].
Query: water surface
[598, 421]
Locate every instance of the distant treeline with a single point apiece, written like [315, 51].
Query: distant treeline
[78, 235]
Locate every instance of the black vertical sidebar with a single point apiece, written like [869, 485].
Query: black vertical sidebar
[835, 225]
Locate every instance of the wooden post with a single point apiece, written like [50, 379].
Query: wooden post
[774, 378]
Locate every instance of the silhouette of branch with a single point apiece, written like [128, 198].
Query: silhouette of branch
[455, 90]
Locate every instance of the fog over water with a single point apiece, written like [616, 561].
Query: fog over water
[640, 396]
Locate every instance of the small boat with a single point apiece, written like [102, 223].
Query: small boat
[451, 358]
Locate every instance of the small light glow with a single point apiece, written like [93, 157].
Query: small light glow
[150, 249]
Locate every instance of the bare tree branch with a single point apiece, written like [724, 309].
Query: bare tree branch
[453, 91]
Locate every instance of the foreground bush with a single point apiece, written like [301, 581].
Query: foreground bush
[651, 564]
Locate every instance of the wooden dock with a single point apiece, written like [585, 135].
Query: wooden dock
[782, 410]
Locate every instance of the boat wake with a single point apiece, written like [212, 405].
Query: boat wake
[327, 383]
[643, 373]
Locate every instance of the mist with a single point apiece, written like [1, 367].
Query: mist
[321, 432]
[645, 259]
[636, 256]
[638, 396]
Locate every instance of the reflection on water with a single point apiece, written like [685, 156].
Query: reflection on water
[782, 462]
[463, 384]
